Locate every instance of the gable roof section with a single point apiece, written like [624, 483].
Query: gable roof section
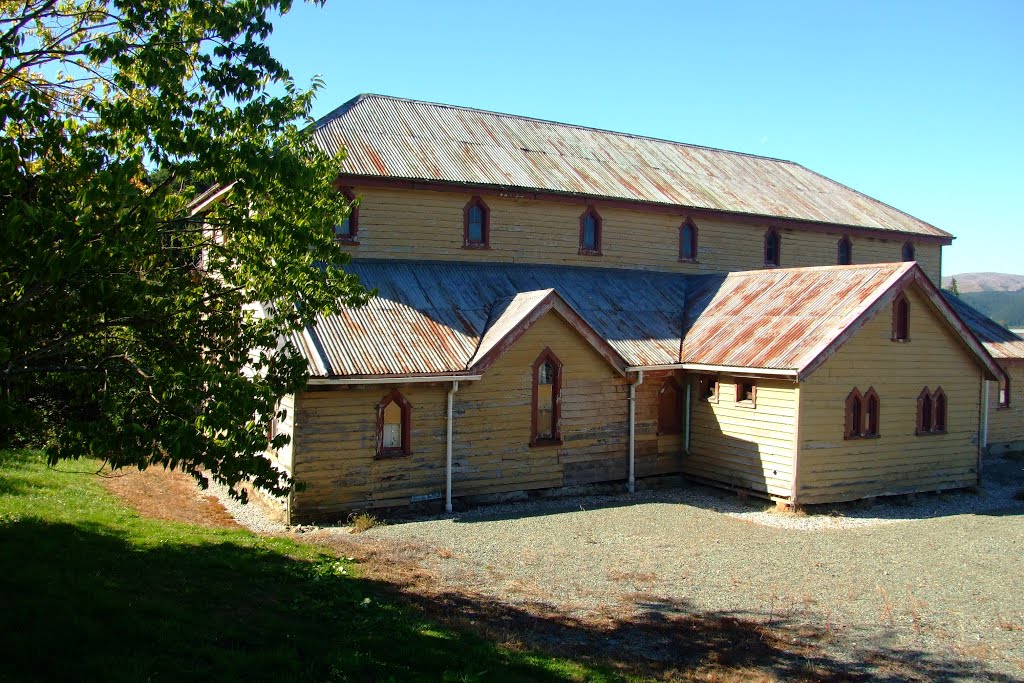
[997, 340]
[442, 317]
[513, 316]
[797, 318]
[393, 138]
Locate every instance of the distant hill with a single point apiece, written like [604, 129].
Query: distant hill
[985, 282]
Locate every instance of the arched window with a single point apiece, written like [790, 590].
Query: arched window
[854, 414]
[476, 225]
[670, 408]
[590, 232]
[688, 241]
[939, 406]
[348, 228]
[872, 408]
[844, 255]
[547, 409]
[772, 248]
[394, 426]
[907, 254]
[924, 411]
[900, 318]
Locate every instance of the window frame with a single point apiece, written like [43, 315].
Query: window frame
[556, 401]
[773, 235]
[394, 396]
[677, 426]
[353, 220]
[688, 223]
[704, 382]
[844, 240]
[1003, 394]
[485, 228]
[908, 248]
[857, 407]
[870, 430]
[901, 318]
[598, 230]
[939, 425]
[854, 411]
[738, 387]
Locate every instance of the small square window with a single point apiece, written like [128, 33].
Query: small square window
[707, 388]
[746, 392]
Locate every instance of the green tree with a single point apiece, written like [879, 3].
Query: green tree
[125, 326]
[954, 289]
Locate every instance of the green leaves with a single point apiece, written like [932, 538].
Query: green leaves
[122, 325]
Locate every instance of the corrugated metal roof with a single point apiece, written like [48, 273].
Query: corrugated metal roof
[407, 139]
[997, 340]
[779, 319]
[431, 318]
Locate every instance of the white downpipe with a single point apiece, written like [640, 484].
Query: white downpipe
[632, 429]
[448, 463]
[686, 437]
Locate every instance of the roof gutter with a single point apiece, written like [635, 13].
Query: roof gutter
[418, 379]
[735, 369]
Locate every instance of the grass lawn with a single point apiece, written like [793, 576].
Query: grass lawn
[93, 591]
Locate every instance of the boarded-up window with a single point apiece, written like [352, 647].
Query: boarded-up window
[670, 408]
[476, 231]
[688, 241]
[590, 232]
[547, 386]
[394, 426]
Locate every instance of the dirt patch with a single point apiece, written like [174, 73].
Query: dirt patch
[171, 496]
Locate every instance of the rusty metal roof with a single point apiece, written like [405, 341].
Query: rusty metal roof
[397, 138]
[436, 318]
[1000, 342]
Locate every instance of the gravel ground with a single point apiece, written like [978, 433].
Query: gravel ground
[937, 578]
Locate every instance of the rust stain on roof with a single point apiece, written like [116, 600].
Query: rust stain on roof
[407, 139]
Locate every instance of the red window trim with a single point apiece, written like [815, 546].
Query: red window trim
[353, 220]
[865, 430]
[556, 401]
[908, 247]
[849, 250]
[932, 412]
[395, 396]
[871, 430]
[773, 234]
[850, 431]
[598, 229]
[746, 402]
[939, 426]
[900, 320]
[1004, 403]
[677, 427]
[485, 229]
[688, 223]
[704, 382]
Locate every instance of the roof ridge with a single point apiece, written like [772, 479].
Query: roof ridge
[344, 108]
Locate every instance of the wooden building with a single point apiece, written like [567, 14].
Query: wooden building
[560, 306]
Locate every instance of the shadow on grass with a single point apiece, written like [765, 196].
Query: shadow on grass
[81, 603]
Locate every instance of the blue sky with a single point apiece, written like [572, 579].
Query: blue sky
[918, 104]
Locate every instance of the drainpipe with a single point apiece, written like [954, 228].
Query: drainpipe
[686, 437]
[448, 464]
[632, 429]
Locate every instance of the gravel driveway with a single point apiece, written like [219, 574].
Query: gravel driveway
[937, 580]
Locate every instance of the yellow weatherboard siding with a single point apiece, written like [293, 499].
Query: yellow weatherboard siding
[1006, 425]
[832, 469]
[335, 434]
[428, 225]
[734, 444]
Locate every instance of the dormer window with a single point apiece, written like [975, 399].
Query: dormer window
[844, 255]
[908, 252]
[348, 228]
[688, 241]
[772, 249]
[476, 225]
[900, 318]
[590, 232]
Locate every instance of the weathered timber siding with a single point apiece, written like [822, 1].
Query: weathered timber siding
[428, 225]
[1006, 425]
[492, 452]
[749, 448]
[833, 469]
[654, 453]
[335, 446]
[283, 456]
